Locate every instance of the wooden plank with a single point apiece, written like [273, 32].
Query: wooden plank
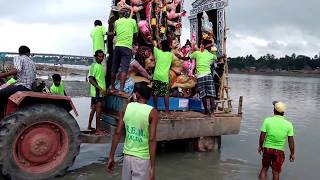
[175, 125]
[188, 115]
[184, 129]
[240, 105]
[174, 129]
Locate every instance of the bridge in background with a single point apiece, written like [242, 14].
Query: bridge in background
[51, 58]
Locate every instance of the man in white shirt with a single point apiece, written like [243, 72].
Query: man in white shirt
[25, 70]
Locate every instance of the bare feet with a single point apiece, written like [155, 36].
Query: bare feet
[91, 128]
[100, 133]
[206, 112]
[211, 115]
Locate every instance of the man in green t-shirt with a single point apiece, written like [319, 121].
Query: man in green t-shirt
[139, 121]
[98, 35]
[57, 86]
[205, 81]
[275, 131]
[97, 89]
[126, 31]
[160, 86]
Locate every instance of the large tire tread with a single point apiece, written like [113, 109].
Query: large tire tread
[9, 127]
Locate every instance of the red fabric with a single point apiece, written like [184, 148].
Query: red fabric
[274, 158]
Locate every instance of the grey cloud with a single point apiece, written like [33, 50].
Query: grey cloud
[276, 21]
[52, 12]
[288, 21]
[263, 14]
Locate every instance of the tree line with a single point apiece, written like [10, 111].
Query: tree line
[269, 61]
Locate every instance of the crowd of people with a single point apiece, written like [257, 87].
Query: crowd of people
[167, 61]
[138, 119]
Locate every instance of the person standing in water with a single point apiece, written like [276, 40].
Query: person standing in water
[140, 123]
[274, 132]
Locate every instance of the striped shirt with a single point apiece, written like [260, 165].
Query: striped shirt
[26, 71]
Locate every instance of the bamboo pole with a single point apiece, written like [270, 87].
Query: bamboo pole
[224, 80]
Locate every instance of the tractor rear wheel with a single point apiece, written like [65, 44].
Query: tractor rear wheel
[38, 142]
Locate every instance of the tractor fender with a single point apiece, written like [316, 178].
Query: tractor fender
[27, 98]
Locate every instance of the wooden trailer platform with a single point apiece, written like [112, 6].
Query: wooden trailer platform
[190, 124]
[174, 126]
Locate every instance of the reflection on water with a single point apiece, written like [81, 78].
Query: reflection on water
[238, 158]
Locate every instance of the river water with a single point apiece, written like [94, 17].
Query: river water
[238, 159]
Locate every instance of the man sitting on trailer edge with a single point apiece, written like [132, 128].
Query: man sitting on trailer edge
[140, 123]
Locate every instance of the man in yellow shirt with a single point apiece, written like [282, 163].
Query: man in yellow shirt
[97, 89]
[275, 131]
[139, 121]
[205, 81]
[126, 30]
[160, 87]
[98, 39]
[57, 86]
[98, 35]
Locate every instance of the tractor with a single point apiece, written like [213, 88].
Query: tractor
[39, 137]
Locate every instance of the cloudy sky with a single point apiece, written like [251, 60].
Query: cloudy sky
[256, 26]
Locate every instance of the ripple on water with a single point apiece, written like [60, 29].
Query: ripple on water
[238, 158]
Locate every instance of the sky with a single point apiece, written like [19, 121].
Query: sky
[257, 27]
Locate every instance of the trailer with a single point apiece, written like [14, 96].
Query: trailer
[186, 122]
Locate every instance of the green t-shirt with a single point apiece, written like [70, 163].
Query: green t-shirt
[58, 90]
[125, 28]
[97, 36]
[203, 61]
[277, 129]
[163, 63]
[11, 81]
[136, 120]
[97, 72]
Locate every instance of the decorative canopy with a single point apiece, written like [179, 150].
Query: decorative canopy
[206, 5]
[217, 19]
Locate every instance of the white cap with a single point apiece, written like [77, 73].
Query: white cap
[279, 106]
